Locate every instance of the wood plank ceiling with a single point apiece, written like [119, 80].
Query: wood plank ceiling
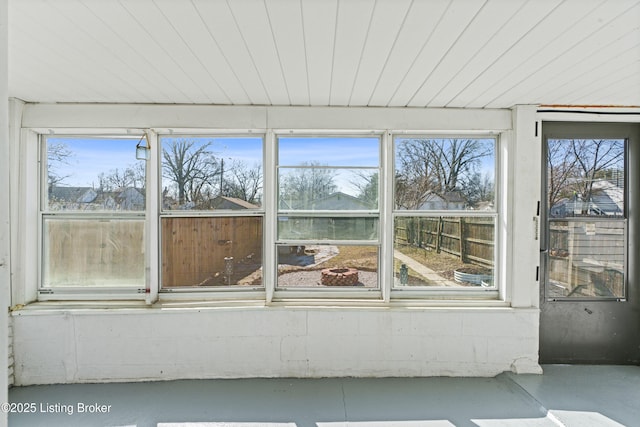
[418, 53]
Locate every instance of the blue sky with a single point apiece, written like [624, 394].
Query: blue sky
[92, 156]
[340, 151]
[245, 149]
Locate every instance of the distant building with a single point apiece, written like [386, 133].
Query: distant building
[448, 201]
[231, 203]
[87, 198]
[607, 199]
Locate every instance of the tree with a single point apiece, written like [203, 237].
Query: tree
[574, 165]
[368, 188]
[478, 188]
[561, 169]
[436, 166]
[593, 157]
[192, 168]
[131, 176]
[58, 154]
[309, 182]
[245, 182]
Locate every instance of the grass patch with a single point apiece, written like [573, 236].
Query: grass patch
[360, 257]
[441, 263]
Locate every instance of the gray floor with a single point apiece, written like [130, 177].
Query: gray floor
[581, 396]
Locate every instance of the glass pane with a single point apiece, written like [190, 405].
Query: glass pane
[94, 174]
[97, 252]
[445, 173]
[209, 173]
[322, 228]
[205, 252]
[586, 259]
[585, 177]
[329, 151]
[444, 251]
[327, 266]
[322, 188]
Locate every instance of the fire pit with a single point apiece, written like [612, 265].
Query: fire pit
[339, 277]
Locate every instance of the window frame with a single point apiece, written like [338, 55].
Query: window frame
[44, 293]
[306, 293]
[269, 294]
[442, 292]
[548, 219]
[219, 292]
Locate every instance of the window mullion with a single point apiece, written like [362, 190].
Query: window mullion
[386, 216]
[269, 266]
[152, 245]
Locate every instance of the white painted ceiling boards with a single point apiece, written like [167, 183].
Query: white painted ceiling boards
[433, 53]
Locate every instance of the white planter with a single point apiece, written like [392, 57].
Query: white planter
[475, 279]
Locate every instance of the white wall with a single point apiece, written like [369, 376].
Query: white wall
[152, 344]
[63, 343]
[5, 226]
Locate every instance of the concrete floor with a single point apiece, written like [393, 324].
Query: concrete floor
[580, 396]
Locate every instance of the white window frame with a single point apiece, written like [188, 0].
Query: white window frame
[81, 292]
[290, 294]
[223, 292]
[440, 292]
[512, 290]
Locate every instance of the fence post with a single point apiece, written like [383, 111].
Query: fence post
[461, 221]
[439, 234]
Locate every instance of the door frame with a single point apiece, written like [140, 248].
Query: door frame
[590, 330]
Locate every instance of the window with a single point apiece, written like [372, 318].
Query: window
[212, 216]
[444, 218]
[93, 214]
[359, 215]
[328, 235]
[587, 227]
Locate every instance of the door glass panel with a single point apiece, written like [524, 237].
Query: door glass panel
[587, 228]
[586, 258]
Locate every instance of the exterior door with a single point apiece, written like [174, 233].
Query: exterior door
[590, 301]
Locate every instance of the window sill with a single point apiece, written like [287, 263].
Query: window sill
[123, 307]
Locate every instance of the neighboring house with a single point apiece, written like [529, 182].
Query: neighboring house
[607, 200]
[330, 227]
[341, 201]
[87, 198]
[484, 206]
[127, 199]
[447, 201]
[334, 201]
[71, 197]
[231, 203]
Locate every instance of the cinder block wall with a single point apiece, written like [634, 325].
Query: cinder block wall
[154, 344]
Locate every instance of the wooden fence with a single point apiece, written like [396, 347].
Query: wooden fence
[194, 249]
[471, 239]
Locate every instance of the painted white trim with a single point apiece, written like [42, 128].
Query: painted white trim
[152, 227]
[17, 194]
[76, 119]
[5, 208]
[87, 116]
[269, 228]
[525, 192]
